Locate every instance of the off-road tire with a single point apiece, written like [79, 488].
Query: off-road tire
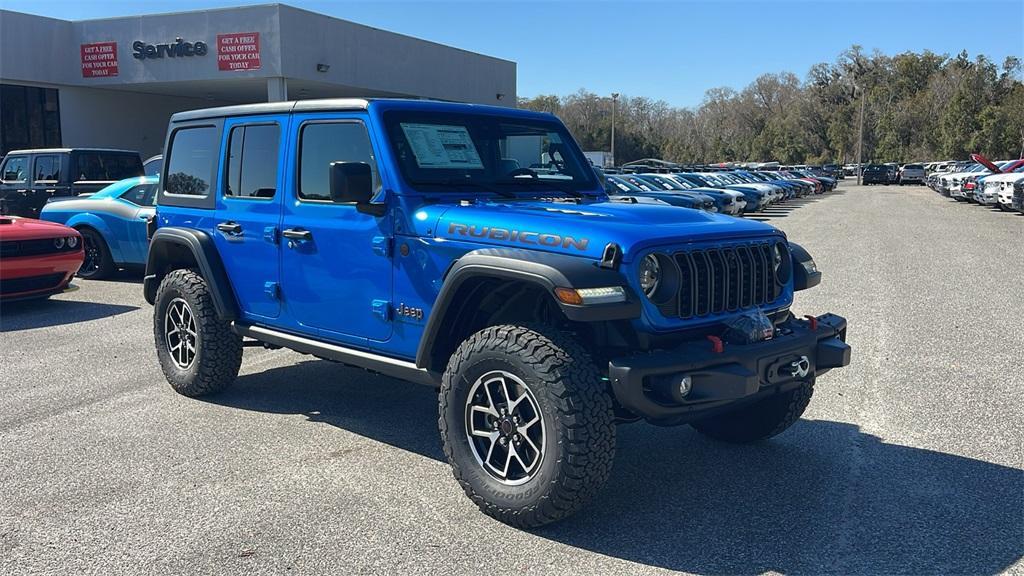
[579, 439]
[760, 420]
[218, 354]
[104, 261]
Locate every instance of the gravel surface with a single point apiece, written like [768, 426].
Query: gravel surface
[908, 461]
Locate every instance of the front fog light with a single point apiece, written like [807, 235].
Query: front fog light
[58, 243]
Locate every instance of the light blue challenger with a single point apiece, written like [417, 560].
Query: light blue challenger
[112, 222]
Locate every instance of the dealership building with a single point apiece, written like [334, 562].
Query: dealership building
[114, 82]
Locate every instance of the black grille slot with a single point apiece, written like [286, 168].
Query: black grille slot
[726, 279]
[30, 283]
[38, 247]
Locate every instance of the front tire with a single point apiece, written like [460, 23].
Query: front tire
[198, 352]
[760, 420]
[97, 262]
[527, 423]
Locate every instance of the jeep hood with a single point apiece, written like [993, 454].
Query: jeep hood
[579, 229]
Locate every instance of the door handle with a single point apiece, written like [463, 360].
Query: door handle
[296, 234]
[230, 228]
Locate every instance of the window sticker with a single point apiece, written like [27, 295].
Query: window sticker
[441, 146]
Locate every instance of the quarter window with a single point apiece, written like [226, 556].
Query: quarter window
[252, 161]
[141, 195]
[47, 169]
[322, 143]
[190, 168]
[16, 169]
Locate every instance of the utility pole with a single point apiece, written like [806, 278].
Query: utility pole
[615, 99]
[860, 139]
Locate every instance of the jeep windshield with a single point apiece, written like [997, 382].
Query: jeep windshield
[506, 155]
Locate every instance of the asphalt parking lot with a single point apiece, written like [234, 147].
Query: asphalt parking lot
[909, 461]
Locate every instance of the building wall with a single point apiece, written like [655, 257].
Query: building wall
[363, 56]
[36, 49]
[92, 117]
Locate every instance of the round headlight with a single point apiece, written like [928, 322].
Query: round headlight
[58, 243]
[781, 262]
[650, 274]
[72, 241]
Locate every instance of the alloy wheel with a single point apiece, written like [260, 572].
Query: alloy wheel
[505, 427]
[180, 333]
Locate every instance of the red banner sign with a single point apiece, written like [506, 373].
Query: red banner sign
[99, 59]
[239, 51]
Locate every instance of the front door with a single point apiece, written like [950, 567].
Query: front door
[248, 212]
[336, 274]
[14, 185]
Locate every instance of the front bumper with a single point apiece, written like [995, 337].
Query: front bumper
[646, 384]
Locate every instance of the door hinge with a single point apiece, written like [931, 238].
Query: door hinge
[382, 246]
[272, 289]
[382, 308]
[270, 234]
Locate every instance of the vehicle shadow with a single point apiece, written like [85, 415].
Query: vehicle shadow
[822, 498]
[29, 314]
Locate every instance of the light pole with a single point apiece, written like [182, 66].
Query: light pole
[860, 138]
[615, 99]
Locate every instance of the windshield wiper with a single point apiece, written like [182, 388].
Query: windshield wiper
[542, 182]
[451, 182]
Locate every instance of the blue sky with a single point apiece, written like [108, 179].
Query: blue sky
[671, 51]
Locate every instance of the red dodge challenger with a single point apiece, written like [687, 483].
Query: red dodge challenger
[37, 258]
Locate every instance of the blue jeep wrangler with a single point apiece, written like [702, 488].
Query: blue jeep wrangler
[473, 248]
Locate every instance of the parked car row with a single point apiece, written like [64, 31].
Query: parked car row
[733, 192]
[981, 182]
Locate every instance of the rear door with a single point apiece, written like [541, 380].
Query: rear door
[337, 279]
[133, 241]
[248, 211]
[46, 178]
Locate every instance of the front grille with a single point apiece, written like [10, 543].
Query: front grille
[30, 284]
[725, 279]
[37, 247]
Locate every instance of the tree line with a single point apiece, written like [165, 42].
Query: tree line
[917, 107]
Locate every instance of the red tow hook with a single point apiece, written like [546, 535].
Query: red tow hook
[716, 344]
[813, 321]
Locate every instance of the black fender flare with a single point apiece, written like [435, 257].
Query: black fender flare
[803, 278]
[544, 269]
[207, 259]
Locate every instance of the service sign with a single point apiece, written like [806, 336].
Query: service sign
[99, 59]
[240, 51]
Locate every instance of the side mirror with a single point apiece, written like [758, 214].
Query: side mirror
[351, 182]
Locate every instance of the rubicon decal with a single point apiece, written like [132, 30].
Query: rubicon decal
[522, 237]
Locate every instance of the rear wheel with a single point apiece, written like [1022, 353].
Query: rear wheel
[97, 262]
[760, 420]
[527, 423]
[198, 352]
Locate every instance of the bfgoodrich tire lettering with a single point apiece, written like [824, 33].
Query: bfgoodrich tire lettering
[217, 351]
[576, 413]
[760, 420]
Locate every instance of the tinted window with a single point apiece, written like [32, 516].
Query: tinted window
[190, 169]
[105, 166]
[323, 143]
[16, 169]
[46, 168]
[142, 195]
[252, 161]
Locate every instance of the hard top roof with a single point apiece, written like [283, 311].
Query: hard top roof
[343, 104]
